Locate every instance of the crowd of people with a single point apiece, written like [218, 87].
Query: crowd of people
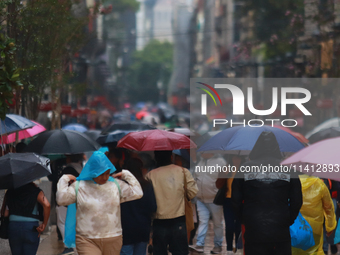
[130, 204]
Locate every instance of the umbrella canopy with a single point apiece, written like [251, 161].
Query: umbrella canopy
[200, 140]
[93, 134]
[75, 127]
[23, 134]
[141, 114]
[62, 142]
[240, 140]
[333, 122]
[183, 131]
[325, 134]
[321, 159]
[155, 140]
[128, 126]
[140, 105]
[297, 135]
[112, 137]
[13, 123]
[18, 169]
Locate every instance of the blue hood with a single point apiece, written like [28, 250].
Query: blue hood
[97, 165]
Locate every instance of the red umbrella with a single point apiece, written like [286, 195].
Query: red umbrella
[155, 140]
[141, 114]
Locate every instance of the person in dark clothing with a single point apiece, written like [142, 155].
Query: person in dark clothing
[136, 215]
[20, 147]
[267, 203]
[74, 166]
[232, 223]
[117, 156]
[333, 187]
[25, 206]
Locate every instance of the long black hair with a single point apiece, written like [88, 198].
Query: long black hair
[135, 165]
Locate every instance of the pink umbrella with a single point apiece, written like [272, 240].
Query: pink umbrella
[23, 134]
[321, 159]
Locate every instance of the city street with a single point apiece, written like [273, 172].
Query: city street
[51, 246]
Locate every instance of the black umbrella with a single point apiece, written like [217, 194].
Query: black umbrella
[93, 134]
[62, 142]
[112, 138]
[128, 126]
[18, 169]
[324, 134]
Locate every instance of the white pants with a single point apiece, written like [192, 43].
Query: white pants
[61, 218]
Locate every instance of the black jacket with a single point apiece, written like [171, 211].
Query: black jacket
[266, 203]
[136, 217]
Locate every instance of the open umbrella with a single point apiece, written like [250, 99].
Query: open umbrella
[128, 126]
[141, 114]
[325, 134]
[321, 159]
[200, 140]
[23, 134]
[112, 137]
[75, 127]
[18, 169]
[240, 140]
[93, 134]
[184, 131]
[155, 140]
[61, 142]
[297, 135]
[333, 122]
[13, 123]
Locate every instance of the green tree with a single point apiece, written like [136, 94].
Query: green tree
[9, 74]
[277, 25]
[47, 34]
[152, 64]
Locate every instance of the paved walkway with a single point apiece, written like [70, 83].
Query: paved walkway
[50, 245]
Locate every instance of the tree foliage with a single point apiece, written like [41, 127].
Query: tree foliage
[47, 34]
[152, 64]
[277, 24]
[9, 74]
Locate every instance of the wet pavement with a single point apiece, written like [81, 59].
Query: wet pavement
[51, 246]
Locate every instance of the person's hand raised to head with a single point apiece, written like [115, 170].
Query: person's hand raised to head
[118, 175]
[72, 178]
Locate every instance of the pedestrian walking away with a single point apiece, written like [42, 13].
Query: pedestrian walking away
[73, 167]
[169, 225]
[232, 223]
[26, 206]
[205, 206]
[317, 209]
[266, 203]
[136, 215]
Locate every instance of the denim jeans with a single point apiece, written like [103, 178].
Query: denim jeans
[134, 249]
[172, 233]
[204, 212]
[23, 240]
